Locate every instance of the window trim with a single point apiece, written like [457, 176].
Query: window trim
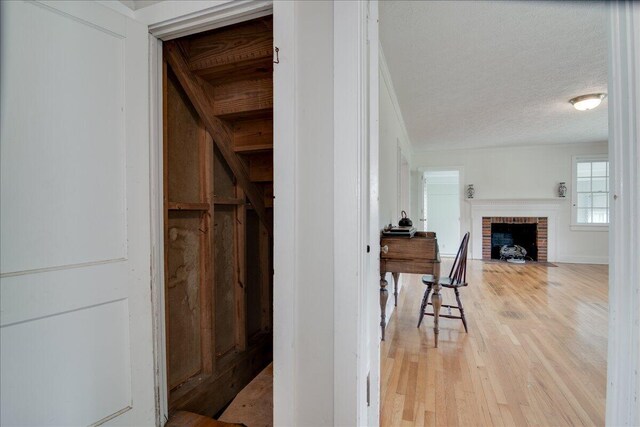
[575, 225]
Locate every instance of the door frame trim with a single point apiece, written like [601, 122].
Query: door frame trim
[353, 34]
[285, 230]
[156, 171]
[168, 20]
[623, 358]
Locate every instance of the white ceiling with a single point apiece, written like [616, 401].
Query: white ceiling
[139, 4]
[478, 74]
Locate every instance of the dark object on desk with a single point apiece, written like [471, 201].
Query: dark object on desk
[405, 221]
[457, 279]
[418, 255]
[399, 231]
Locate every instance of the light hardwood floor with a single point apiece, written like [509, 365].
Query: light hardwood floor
[535, 353]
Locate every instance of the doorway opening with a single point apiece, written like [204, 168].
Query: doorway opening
[524, 194]
[218, 220]
[442, 208]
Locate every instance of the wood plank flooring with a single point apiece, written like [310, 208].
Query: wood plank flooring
[253, 406]
[535, 353]
[189, 419]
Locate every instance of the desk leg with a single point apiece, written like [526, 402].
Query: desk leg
[436, 301]
[396, 278]
[384, 296]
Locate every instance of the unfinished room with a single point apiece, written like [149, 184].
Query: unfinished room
[494, 136]
[218, 197]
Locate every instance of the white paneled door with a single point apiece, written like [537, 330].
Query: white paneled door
[75, 324]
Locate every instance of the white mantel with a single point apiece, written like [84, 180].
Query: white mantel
[515, 208]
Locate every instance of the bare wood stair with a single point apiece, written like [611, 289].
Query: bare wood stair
[235, 70]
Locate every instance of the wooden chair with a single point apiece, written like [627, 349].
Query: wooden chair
[457, 279]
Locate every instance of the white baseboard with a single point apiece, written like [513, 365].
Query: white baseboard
[579, 259]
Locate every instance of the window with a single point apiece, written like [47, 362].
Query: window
[591, 191]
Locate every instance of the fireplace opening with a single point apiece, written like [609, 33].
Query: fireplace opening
[524, 235]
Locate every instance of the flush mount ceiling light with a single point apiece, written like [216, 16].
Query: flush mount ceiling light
[587, 102]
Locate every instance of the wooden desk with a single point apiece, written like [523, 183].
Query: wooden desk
[417, 255]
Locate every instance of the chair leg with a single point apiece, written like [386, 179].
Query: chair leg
[423, 306]
[464, 319]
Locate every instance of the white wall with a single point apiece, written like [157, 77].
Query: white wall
[526, 172]
[392, 134]
[314, 358]
[330, 363]
[416, 200]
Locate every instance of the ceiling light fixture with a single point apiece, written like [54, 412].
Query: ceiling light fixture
[587, 102]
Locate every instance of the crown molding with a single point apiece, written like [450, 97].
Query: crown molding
[516, 202]
[424, 150]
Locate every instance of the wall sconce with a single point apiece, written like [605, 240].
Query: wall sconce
[562, 190]
[470, 191]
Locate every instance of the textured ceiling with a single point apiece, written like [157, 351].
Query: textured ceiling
[477, 74]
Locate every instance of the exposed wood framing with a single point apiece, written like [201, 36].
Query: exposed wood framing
[261, 167]
[240, 309]
[253, 136]
[215, 389]
[206, 266]
[265, 283]
[181, 206]
[227, 201]
[244, 47]
[246, 98]
[196, 91]
[165, 201]
[218, 174]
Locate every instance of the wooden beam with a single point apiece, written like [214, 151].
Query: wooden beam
[250, 136]
[246, 98]
[182, 206]
[194, 88]
[165, 198]
[265, 280]
[229, 51]
[241, 272]
[228, 201]
[206, 266]
[267, 189]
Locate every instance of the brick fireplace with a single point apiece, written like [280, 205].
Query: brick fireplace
[541, 212]
[542, 225]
